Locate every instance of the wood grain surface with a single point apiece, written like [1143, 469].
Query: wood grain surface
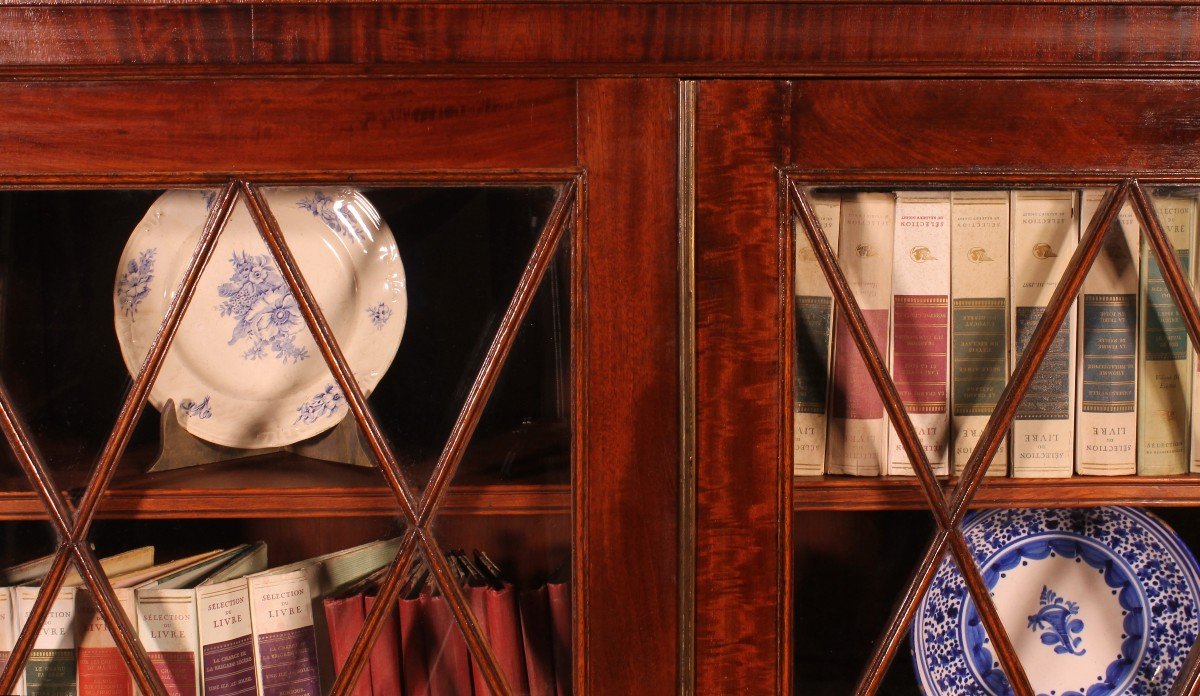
[629, 511]
[742, 520]
[595, 38]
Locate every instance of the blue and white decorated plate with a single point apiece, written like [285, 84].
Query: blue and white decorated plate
[244, 370]
[1097, 602]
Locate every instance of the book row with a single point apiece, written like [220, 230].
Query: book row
[223, 623]
[420, 650]
[952, 285]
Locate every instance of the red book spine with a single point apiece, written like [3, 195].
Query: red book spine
[537, 639]
[413, 655]
[504, 632]
[103, 671]
[477, 598]
[449, 660]
[560, 618]
[345, 619]
[385, 657]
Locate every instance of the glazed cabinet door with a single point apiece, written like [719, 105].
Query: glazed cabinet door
[337, 386]
[945, 365]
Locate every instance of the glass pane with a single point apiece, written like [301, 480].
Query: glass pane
[248, 498]
[952, 282]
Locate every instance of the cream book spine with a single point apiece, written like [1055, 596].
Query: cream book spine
[285, 639]
[1165, 352]
[814, 313]
[167, 628]
[919, 326]
[979, 291]
[1045, 233]
[226, 629]
[858, 424]
[1106, 427]
[8, 626]
[50, 668]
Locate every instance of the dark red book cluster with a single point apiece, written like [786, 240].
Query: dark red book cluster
[421, 650]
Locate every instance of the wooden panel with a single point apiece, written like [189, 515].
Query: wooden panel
[630, 432]
[1052, 125]
[742, 487]
[901, 493]
[306, 125]
[609, 38]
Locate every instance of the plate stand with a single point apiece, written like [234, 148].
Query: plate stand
[343, 443]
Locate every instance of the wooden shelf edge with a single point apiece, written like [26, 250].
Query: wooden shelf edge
[846, 493]
[131, 503]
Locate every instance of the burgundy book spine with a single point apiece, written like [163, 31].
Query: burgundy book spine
[449, 660]
[477, 598]
[560, 618]
[344, 616]
[538, 641]
[413, 655]
[504, 631]
[385, 657]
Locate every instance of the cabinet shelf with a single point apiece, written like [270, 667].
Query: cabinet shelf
[904, 493]
[283, 486]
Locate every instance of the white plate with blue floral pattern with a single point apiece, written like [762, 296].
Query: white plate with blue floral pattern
[244, 370]
[1097, 602]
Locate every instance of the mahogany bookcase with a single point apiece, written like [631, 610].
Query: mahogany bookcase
[674, 138]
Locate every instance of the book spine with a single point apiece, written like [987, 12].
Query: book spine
[167, 629]
[858, 427]
[504, 632]
[50, 669]
[814, 313]
[979, 295]
[477, 599]
[1044, 236]
[1106, 427]
[537, 641]
[285, 642]
[386, 664]
[449, 660]
[1164, 352]
[226, 639]
[100, 667]
[8, 624]
[344, 616]
[920, 326]
[560, 618]
[413, 651]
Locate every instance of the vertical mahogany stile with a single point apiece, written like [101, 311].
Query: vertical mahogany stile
[989, 442]
[852, 314]
[627, 484]
[742, 624]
